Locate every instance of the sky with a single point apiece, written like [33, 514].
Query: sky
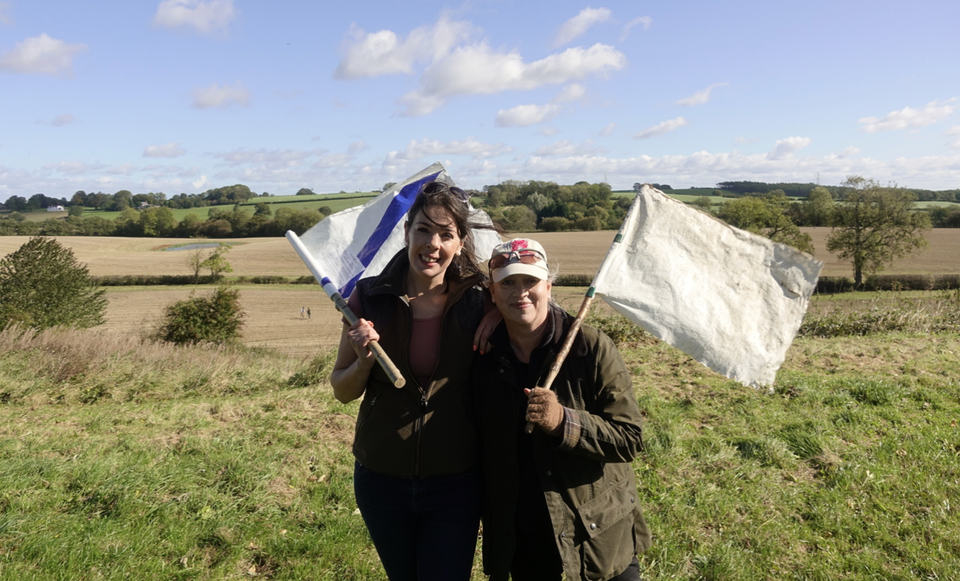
[180, 96]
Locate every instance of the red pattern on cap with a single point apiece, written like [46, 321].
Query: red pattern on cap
[518, 244]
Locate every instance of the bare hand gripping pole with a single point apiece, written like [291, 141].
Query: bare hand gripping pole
[388, 367]
[585, 306]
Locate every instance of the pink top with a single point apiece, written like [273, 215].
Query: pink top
[424, 343]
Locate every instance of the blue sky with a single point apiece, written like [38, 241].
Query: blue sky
[184, 95]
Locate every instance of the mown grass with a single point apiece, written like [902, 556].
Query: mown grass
[125, 459]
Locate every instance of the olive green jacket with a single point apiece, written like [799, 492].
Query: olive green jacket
[587, 477]
[419, 430]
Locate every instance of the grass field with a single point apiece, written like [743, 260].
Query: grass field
[125, 459]
[121, 459]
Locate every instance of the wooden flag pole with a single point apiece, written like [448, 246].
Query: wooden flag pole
[585, 306]
[381, 356]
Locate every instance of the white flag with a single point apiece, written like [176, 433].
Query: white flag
[358, 242]
[730, 299]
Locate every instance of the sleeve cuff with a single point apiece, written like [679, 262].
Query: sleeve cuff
[571, 429]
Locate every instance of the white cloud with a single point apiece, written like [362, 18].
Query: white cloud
[566, 148]
[5, 17]
[431, 148]
[478, 69]
[579, 24]
[357, 147]
[72, 167]
[526, 115]
[785, 147]
[661, 128]
[171, 149]
[61, 120]
[384, 53]
[547, 131]
[645, 21]
[955, 130]
[278, 158]
[608, 130]
[570, 93]
[909, 117]
[206, 16]
[217, 96]
[700, 97]
[744, 140]
[41, 55]
[200, 183]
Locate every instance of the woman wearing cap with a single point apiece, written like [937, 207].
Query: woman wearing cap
[416, 476]
[563, 498]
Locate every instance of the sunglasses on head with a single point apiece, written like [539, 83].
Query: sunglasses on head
[522, 256]
[439, 187]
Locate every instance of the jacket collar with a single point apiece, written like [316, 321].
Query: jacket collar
[558, 323]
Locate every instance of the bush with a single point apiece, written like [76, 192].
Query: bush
[555, 224]
[42, 285]
[214, 319]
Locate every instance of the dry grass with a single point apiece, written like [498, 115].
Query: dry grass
[273, 311]
[272, 315]
[574, 252]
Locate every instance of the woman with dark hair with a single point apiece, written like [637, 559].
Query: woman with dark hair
[416, 476]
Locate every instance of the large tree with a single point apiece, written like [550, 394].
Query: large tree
[874, 225]
[42, 285]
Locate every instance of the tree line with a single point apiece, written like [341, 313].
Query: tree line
[235, 222]
[872, 225]
[800, 190]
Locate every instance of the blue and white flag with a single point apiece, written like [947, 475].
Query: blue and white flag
[359, 242]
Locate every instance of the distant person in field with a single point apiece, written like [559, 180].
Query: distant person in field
[308, 312]
[561, 500]
[301, 312]
[417, 478]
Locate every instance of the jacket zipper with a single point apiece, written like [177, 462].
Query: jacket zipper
[419, 428]
[373, 402]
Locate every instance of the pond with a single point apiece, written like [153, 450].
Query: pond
[197, 246]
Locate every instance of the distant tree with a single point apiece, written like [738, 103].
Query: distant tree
[17, 217]
[519, 219]
[75, 211]
[589, 223]
[16, 203]
[261, 209]
[637, 187]
[555, 224]
[42, 285]
[766, 216]
[305, 192]
[703, 202]
[157, 221]
[387, 186]
[213, 319]
[217, 261]
[874, 225]
[817, 209]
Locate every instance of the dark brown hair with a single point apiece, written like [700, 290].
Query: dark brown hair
[453, 201]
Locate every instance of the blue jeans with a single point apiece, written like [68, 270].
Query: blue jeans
[424, 529]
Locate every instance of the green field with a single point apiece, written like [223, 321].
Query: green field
[124, 459]
[335, 202]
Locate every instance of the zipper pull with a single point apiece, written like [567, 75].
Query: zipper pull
[423, 402]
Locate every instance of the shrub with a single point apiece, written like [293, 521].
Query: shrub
[42, 285]
[213, 319]
[555, 224]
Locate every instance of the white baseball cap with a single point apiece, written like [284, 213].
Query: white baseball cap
[518, 256]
